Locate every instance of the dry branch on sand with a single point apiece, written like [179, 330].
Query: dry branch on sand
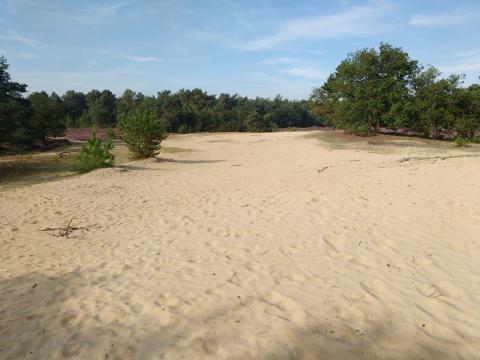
[63, 231]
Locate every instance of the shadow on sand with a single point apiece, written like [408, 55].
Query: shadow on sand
[63, 316]
[177, 161]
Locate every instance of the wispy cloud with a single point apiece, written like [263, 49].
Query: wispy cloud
[280, 60]
[98, 13]
[143, 59]
[264, 77]
[355, 21]
[22, 39]
[445, 19]
[467, 62]
[307, 73]
[89, 13]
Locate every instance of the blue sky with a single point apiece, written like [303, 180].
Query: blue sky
[253, 48]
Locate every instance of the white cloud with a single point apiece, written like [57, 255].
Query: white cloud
[461, 67]
[94, 14]
[86, 13]
[466, 62]
[280, 61]
[143, 59]
[307, 73]
[21, 39]
[360, 20]
[442, 19]
[264, 77]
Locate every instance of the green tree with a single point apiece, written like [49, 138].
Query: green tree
[436, 105]
[48, 117]
[101, 107]
[94, 154]
[369, 89]
[467, 119]
[143, 132]
[74, 105]
[127, 103]
[14, 110]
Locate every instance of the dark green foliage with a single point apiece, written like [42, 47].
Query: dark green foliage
[83, 121]
[468, 111]
[48, 117]
[435, 107]
[384, 88]
[26, 122]
[369, 89]
[74, 105]
[128, 102]
[143, 132]
[14, 109]
[111, 133]
[101, 107]
[94, 154]
[461, 141]
[69, 122]
[195, 110]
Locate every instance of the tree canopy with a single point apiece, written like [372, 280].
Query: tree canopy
[374, 88]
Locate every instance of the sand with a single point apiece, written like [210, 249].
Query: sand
[248, 246]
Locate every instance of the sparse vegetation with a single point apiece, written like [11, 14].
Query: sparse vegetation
[461, 141]
[111, 133]
[94, 154]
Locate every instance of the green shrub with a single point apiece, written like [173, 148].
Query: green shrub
[360, 129]
[93, 154]
[461, 141]
[143, 132]
[111, 133]
[184, 129]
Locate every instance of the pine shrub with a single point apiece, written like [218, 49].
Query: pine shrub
[143, 132]
[461, 141]
[94, 154]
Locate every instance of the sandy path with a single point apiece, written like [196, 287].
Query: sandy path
[241, 249]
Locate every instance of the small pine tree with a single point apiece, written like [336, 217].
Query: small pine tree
[461, 141]
[143, 132]
[94, 154]
[111, 133]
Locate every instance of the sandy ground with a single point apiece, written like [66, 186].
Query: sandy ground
[248, 246]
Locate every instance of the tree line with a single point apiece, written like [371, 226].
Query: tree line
[373, 89]
[31, 120]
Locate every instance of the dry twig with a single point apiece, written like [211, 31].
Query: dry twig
[63, 231]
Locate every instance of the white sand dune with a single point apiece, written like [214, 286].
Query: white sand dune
[249, 246]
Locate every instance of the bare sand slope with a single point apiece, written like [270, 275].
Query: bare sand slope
[249, 246]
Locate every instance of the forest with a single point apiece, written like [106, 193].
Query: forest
[370, 91]
[30, 120]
